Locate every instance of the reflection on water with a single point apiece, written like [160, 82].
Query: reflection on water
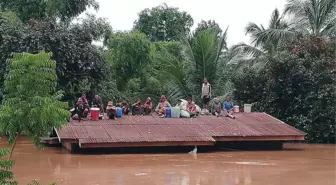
[307, 164]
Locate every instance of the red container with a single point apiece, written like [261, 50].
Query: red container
[94, 114]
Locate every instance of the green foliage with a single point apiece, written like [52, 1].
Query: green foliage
[265, 41]
[39, 9]
[173, 48]
[35, 182]
[77, 58]
[170, 71]
[203, 53]
[316, 17]
[130, 57]
[210, 24]
[163, 23]
[6, 176]
[29, 108]
[298, 90]
[181, 67]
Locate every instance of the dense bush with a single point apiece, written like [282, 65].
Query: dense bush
[298, 89]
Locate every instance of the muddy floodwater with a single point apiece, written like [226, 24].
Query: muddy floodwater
[297, 164]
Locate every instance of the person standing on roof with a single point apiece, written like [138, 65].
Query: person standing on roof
[206, 94]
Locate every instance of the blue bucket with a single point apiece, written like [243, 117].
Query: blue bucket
[119, 112]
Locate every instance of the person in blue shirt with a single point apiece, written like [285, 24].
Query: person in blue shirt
[228, 107]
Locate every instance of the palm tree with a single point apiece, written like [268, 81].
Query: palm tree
[202, 55]
[316, 17]
[265, 41]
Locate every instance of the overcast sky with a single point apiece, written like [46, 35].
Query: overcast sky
[233, 13]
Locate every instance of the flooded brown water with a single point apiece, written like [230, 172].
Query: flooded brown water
[297, 164]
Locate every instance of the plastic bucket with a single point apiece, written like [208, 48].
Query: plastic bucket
[94, 114]
[247, 108]
[236, 108]
[119, 112]
[175, 112]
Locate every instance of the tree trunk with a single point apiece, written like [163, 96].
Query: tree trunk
[13, 146]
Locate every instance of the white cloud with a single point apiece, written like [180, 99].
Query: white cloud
[233, 13]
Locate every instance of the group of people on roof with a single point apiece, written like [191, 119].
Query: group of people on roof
[187, 107]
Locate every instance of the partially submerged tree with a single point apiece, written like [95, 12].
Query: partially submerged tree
[6, 176]
[31, 103]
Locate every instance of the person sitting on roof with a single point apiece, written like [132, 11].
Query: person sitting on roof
[148, 106]
[80, 110]
[137, 108]
[216, 107]
[161, 107]
[85, 101]
[111, 110]
[191, 107]
[228, 107]
[125, 108]
[97, 102]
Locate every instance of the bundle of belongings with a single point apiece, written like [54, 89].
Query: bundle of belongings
[183, 105]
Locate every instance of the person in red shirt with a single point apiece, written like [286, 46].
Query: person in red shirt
[191, 107]
[148, 106]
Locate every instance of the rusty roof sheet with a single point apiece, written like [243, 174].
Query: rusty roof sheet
[154, 129]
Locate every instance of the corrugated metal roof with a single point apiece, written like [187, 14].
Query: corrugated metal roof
[154, 129]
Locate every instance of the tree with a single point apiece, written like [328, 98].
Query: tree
[37, 108]
[203, 53]
[201, 58]
[297, 87]
[77, 58]
[163, 23]
[130, 56]
[169, 70]
[316, 17]
[210, 24]
[265, 41]
[40, 9]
